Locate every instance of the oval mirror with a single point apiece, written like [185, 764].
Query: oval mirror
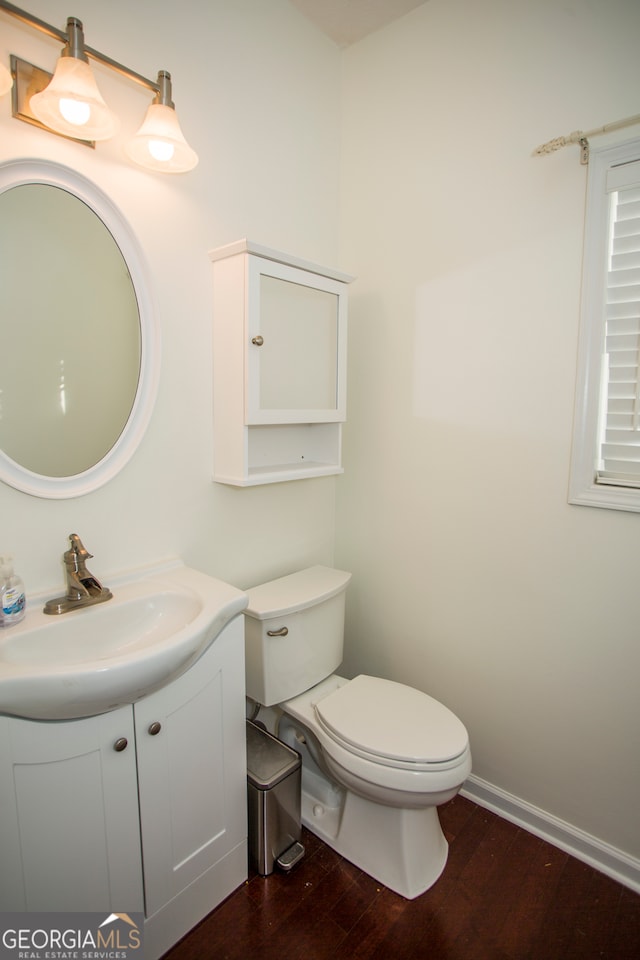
[80, 346]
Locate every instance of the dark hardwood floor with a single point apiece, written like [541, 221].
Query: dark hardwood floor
[504, 895]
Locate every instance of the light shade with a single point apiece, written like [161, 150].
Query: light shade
[6, 80]
[159, 144]
[72, 104]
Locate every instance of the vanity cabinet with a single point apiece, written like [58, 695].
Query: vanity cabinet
[139, 810]
[280, 344]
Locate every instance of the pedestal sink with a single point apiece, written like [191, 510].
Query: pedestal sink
[96, 659]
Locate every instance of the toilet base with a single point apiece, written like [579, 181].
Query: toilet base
[404, 849]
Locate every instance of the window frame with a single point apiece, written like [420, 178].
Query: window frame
[583, 487]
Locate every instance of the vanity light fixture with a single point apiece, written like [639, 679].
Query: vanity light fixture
[72, 105]
[159, 144]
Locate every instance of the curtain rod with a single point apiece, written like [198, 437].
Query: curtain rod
[583, 138]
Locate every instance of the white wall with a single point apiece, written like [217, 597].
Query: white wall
[473, 578]
[256, 88]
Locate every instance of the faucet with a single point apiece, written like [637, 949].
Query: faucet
[83, 589]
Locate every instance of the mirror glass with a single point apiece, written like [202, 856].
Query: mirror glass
[77, 364]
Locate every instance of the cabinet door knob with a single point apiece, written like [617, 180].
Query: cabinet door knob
[155, 728]
[120, 744]
[282, 632]
[258, 341]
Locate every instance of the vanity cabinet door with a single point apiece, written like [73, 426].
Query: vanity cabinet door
[192, 787]
[69, 829]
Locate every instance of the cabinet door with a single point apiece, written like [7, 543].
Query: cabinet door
[69, 830]
[296, 345]
[192, 770]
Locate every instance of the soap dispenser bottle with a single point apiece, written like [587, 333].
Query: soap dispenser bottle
[12, 598]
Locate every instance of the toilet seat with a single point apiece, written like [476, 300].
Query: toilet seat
[392, 724]
[352, 766]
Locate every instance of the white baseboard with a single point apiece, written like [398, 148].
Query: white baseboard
[609, 860]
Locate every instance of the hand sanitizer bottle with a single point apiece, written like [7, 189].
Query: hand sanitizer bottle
[12, 598]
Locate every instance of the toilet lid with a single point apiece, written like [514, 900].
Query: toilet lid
[392, 721]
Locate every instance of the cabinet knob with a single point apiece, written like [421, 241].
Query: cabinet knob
[155, 728]
[282, 632]
[120, 744]
[257, 341]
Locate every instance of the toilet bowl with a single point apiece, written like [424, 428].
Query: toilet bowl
[378, 757]
[369, 789]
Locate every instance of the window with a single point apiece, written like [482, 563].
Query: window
[605, 467]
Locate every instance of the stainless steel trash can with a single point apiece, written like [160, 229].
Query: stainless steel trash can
[273, 798]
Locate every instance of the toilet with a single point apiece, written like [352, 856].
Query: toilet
[378, 757]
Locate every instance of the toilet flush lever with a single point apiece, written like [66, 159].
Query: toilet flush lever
[282, 632]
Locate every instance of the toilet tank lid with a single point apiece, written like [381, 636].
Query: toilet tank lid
[295, 592]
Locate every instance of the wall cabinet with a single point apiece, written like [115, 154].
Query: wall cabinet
[141, 809]
[280, 345]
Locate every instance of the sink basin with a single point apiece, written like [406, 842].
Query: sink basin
[96, 659]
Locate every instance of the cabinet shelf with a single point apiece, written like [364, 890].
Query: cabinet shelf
[280, 335]
[282, 452]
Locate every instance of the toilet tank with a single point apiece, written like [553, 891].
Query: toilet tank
[294, 633]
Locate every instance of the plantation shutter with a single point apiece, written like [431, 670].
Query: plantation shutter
[619, 461]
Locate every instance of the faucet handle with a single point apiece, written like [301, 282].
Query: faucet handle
[76, 552]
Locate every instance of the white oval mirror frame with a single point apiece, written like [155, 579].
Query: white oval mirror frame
[19, 172]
